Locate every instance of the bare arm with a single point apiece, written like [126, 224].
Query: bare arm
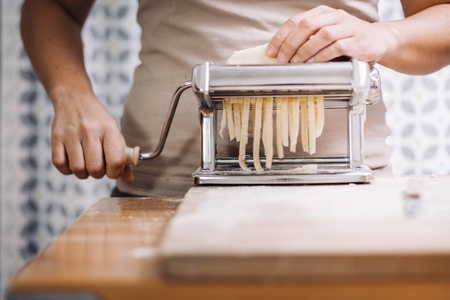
[418, 44]
[85, 138]
[424, 37]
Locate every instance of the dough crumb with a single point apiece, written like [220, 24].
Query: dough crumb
[305, 168]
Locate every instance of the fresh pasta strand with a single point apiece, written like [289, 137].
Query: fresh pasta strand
[304, 129]
[268, 130]
[285, 120]
[237, 118]
[279, 127]
[244, 134]
[310, 118]
[264, 126]
[230, 121]
[294, 120]
[223, 123]
[237, 115]
[320, 115]
[252, 104]
[311, 126]
[257, 120]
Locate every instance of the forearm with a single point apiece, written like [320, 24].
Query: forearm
[52, 39]
[422, 41]
[86, 139]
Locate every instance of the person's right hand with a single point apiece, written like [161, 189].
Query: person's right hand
[324, 33]
[86, 139]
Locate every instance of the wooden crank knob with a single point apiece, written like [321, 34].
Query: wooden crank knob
[132, 156]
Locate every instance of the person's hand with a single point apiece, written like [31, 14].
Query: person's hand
[324, 33]
[86, 140]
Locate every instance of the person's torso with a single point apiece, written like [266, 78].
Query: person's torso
[177, 35]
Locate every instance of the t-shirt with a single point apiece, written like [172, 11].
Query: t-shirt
[177, 35]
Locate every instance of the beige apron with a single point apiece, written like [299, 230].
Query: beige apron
[178, 34]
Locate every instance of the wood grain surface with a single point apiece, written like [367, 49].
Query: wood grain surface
[332, 231]
[112, 245]
[111, 253]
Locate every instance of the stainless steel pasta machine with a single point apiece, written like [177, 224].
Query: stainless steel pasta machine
[349, 85]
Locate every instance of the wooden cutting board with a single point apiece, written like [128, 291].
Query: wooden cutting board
[321, 231]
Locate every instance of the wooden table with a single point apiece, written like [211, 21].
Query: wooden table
[110, 253]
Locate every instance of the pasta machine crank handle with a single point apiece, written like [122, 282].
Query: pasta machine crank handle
[134, 156]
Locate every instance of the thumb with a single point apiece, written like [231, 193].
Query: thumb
[127, 174]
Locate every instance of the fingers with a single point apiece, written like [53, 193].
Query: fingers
[324, 38]
[59, 157]
[76, 159]
[92, 158]
[127, 175]
[319, 35]
[339, 48]
[114, 149]
[93, 154]
[68, 157]
[89, 149]
[280, 37]
[307, 29]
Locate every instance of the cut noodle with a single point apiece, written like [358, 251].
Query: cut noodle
[294, 115]
[237, 118]
[244, 134]
[304, 111]
[320, 115]
[285, 121]
[311, 126]
[257, 120]
[279, 127]
[268, 130]
[294, 120]
[230, 122]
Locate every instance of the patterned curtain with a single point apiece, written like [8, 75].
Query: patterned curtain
[418, 109]
[37, 202]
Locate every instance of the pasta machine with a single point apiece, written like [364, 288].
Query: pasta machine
[349, 85]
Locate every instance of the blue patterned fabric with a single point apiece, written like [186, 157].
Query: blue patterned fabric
[37, 202]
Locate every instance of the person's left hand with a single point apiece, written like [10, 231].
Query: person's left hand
[324, 33]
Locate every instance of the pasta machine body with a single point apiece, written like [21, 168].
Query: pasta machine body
[349, 85]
